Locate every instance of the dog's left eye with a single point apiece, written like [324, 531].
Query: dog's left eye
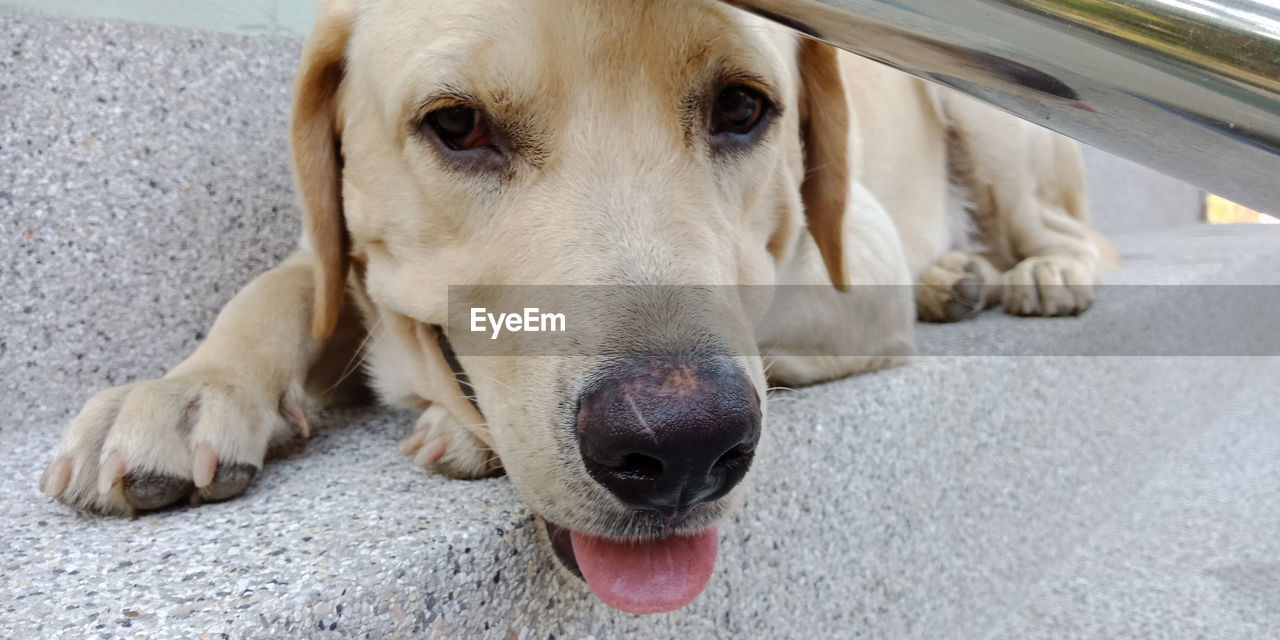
[460, 128]
[738, 109]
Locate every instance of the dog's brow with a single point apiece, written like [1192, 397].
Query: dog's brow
[731, 73]
[445, 95]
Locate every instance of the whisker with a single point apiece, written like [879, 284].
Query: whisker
[492, 379]
[480, 431]
[816, 168]
[357, 360]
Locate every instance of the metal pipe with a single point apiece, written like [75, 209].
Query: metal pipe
[1188, 87]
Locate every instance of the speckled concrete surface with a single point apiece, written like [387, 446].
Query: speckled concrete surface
[1193, 554]
[143, 179]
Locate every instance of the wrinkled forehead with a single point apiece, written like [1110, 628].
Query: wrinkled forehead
[505, 51]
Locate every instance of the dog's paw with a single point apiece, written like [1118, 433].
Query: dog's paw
[1050, 286]
[195, 437]
[440, 443]
[956, 287]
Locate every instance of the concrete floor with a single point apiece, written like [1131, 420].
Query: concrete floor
[144, 178]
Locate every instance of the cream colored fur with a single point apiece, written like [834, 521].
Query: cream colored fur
[867, 159]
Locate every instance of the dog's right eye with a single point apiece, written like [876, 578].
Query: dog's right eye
[738, 115]
[460, 127]
[737, 109]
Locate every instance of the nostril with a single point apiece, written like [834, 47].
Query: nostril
[637, 466]
[734, 459]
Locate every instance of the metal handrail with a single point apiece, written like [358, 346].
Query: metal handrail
[1188, 87]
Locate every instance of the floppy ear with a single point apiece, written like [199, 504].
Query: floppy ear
[824, 128]
[317, 160]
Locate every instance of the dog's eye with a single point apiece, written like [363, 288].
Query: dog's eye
[738, 109]
[460, 128]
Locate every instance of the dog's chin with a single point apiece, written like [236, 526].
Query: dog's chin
[655, 566]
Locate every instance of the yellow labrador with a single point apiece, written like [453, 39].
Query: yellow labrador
[597, 142]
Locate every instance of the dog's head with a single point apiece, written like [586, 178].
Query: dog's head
[582, 142]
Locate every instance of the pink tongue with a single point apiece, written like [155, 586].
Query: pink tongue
[647, 577]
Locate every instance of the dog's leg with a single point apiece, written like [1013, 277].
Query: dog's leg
[814, 333]
[956, 287]
[408, 364]
[450, 436]
[1028, 186]
[200, 432]
[1046, 228]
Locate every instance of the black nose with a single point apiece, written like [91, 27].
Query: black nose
[666, 435]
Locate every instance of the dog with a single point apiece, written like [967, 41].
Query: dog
[603, 143]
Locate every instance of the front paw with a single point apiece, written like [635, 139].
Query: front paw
[439, 442]
[1050, 286]
[197, 437]
[956, 287]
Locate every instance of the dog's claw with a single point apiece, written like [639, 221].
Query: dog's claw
[217, 482]
[111, 472]
[432, 451]
[56, 477]
[293, 411]
[411, 444]
[203, 466]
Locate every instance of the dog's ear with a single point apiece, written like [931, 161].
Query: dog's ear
[824, 128]
[317, 159]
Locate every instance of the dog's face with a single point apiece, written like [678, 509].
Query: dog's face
[581, 142]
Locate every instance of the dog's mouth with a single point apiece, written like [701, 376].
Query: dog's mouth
[663, 568]
[653, 575]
